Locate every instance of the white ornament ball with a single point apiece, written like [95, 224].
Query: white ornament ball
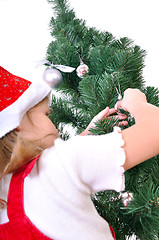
[127, 197]
[82, 70]
[52, 77]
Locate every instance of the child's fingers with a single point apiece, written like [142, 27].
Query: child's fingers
[103, 114]
[118, 105]
[109, 111]
[106, 112]
[121, 116]
[123, 123]
[112, 111]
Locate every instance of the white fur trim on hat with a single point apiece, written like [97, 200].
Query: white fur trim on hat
[11, 116]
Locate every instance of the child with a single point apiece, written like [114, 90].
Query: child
[47, 182]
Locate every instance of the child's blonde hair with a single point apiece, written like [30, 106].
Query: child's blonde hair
[7, 144]
[16, 151]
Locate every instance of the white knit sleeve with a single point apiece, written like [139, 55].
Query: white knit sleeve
[94, 163]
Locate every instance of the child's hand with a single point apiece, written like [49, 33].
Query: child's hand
[132, 98]
[103, 115]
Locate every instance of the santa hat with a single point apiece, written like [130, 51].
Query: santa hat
[17, 96]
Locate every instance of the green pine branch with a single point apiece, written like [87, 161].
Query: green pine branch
[112, 63]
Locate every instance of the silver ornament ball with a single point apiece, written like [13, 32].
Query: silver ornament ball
[52, 77]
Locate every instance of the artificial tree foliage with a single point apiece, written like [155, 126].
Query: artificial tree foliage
[113, 64]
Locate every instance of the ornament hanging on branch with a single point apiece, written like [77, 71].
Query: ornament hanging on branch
[82, 69]
[126, 197]
[53, 76]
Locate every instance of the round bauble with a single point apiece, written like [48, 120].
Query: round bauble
[52, 77]
[82, 70]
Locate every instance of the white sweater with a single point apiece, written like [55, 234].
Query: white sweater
[57, 193]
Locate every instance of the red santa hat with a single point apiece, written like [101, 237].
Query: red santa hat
[17, 96]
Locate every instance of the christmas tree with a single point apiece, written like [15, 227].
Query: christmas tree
[113, 66]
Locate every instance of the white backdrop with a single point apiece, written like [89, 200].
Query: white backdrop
[24, 30]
